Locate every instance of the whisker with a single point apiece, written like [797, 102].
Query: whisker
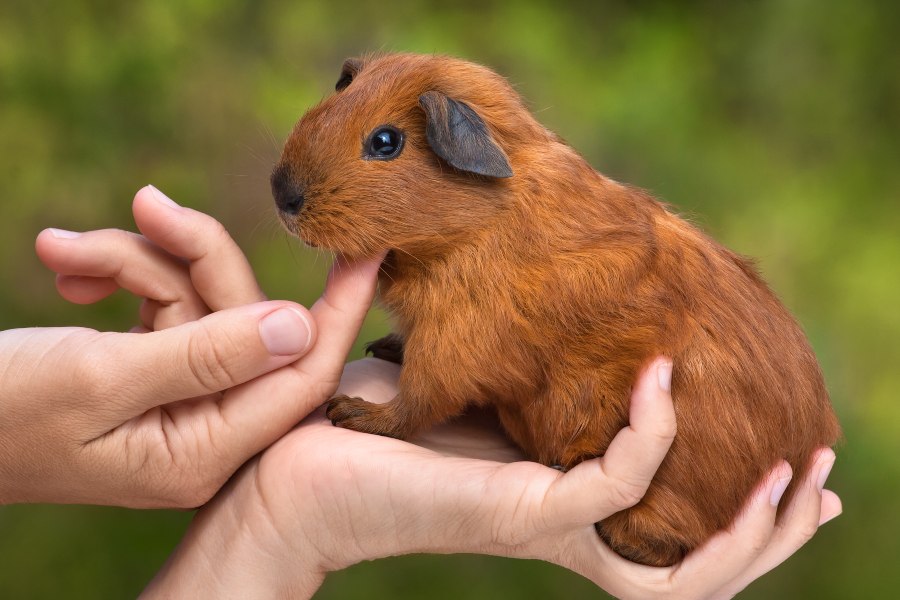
[271, 137]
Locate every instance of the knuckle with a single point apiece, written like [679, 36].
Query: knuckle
[182, 495]
[186, 488]
[208, 360]
[805, 532]
[93, 371]
[755, 544]
[625, 494]
[214, 234]
[164, 464]
[505, 534]
[121, 236]
[668, 428]
[663, 428]
[196, 493]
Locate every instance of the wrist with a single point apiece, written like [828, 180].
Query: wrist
[231, 550]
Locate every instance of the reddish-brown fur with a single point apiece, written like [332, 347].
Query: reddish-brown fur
[544, 294]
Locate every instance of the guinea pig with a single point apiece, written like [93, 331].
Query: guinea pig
[519, 278]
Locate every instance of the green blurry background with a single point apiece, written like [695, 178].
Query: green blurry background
[773, 124]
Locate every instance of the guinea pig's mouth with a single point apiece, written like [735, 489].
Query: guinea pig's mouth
[289, 222]
[311, 237]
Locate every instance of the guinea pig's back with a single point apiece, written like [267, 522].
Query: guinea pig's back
[747, 390]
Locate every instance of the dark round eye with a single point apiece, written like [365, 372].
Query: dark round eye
[385, 143]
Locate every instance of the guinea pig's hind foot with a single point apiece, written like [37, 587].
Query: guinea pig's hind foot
[639, 548]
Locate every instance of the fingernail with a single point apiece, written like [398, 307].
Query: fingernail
[824, 472]
[778, 490]
[664, 374]
[285, 332]
[64, 234]
[162, 198]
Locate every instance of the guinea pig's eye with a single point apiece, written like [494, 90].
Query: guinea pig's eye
[384, 143]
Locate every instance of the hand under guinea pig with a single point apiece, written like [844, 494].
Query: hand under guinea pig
[522, 279]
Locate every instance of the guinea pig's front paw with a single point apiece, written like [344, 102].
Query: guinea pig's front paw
[359, 415]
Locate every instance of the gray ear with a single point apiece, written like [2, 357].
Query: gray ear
[458, 135]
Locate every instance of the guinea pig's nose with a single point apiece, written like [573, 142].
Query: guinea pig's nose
[288, 195]
[290, 203]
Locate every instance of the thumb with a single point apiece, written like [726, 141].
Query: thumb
[598, 488]
[291, 394]
[215, 353]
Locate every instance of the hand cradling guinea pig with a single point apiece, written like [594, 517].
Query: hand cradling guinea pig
[521, 279]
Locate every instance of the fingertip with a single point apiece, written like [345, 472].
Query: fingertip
[41, 242]
[825, 454]
[651, 401]
[150, 208]
[150, 193]
[47, 241]
[366, 267]
[832, 507]
[143, 201]
[350, 280]
[142, 195]
[777, 482]
[664, 374]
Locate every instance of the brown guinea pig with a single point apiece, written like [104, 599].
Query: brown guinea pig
[522, 279]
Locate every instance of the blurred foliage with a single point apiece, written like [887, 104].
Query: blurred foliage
[774, 124]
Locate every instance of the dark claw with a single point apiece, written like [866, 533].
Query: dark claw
[389, 348]
[343, 408]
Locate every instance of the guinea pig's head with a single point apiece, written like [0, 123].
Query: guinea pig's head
[410, 153]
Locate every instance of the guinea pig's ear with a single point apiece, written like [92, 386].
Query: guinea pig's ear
[349, 70]
[458, 135]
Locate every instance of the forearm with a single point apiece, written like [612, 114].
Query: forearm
[222, 556]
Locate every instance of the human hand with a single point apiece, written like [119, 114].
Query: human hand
[163, 418]
[323, 498]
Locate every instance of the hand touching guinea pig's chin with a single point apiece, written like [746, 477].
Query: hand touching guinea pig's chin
[164, 417]
[521, 278]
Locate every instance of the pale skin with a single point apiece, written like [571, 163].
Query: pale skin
[322, 498]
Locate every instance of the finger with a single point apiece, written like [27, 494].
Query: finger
[262, 410]
[85, 290]
[126, 258]
[712, 569]
[218, 352]
[149, 312]
[799, 520]
[156, 316]
[339, 314]
[218, 268]
[598, 488]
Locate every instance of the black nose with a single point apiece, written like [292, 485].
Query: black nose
[290, 203]
[287, 192]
